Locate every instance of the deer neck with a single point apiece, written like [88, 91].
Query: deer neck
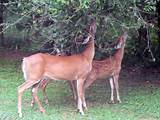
[119, 54]
[89, 51]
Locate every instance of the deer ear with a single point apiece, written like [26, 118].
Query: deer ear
[125, 35]
[118, 46]
[93, 26]
[86, 40]
[93, 29]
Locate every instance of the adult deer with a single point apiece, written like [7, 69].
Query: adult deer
[109, 67]
[75, 67]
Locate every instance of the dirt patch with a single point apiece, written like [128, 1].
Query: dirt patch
[13, 55]
[135, 73]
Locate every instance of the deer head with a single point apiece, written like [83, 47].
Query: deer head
[91, 31]
[121, 41]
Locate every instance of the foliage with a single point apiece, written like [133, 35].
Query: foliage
[62, 21]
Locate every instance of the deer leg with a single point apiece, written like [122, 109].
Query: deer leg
[83, 100]
[43, 86]
[89, 80]
[33, 100]
[116, 77]
[34, 92]
[73, 89]
[21, 89]
[80, 95]
[112, 90]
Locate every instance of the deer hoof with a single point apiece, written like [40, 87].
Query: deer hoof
[20, 115]
[42, 110]
[111, 102]
[47, 103]
[32, 104]
[80, 111]
[119, 101]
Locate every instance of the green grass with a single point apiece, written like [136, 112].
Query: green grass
[140, 101]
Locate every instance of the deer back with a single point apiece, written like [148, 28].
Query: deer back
[62, 67]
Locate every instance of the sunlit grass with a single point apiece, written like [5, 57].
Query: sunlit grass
[139, 101]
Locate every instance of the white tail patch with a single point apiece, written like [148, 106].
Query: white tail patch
[24, 69]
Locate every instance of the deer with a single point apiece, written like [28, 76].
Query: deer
[75, 67]
[109, 67]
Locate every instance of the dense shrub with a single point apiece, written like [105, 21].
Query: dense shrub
[62, 21]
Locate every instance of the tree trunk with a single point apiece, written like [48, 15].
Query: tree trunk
[1, 22]
[158, 15]
[2, 8]
[158, 31]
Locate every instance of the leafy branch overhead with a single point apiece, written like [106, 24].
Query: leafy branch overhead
[39, 22]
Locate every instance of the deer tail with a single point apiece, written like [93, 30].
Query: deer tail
[24, 68]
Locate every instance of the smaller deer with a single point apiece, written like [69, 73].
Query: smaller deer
[109, 67]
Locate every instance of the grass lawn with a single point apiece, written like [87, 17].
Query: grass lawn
[140, 98]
